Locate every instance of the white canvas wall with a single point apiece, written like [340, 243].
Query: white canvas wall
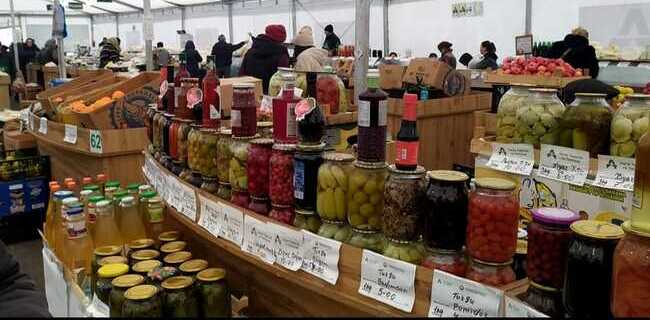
[104, 27]
[40, 28]
[205, 23]
[166, 23]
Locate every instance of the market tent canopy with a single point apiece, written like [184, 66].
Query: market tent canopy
[92, 7]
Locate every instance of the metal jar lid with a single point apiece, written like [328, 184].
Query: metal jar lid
[448, 175]
[141, 292]
[211, 274]
[338, 157]
[127, 281]
[178, 282]
[495, 184]
[597, 229]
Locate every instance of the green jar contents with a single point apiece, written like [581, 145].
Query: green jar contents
[143, 255]
[371, 240]
[331, 198]
[223, 156]
[144, 267]
[538, 119]
[337, 230]
[366, 195]
[629, 124]
[179, 298]
[177, 258]
[119, 286]
[99, 254]
[405, 250]
[224, 191]
[511, 101]
[213, 293]
[191, 267]
[106, 274]
[237, 174]
[142, 302]
[307, 220]
[585, 125]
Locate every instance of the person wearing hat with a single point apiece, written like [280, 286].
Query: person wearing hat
[266, 54]
[576, 51]
[222, 52]
[332, 41]
[446, 54]
[308, 58]
[192, 60]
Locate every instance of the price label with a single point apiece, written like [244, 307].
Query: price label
[615, 173]
[70, 134]
[173, 191]
[297, 92]
[287, 247]
[188, 201]
[388, 280]
[214, 113]
[258, 239]
[96, 141]
[232, 226]
[517, 309]
[512, 158]
[320, 257]
[453, 296]
[211, 215]
[43, 126]
[564, 164]
[644, 65]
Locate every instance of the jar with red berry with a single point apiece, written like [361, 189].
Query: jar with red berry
[548, 242]
[259, 155]
[281, 167]
[327, 92]
[450, 261]
[240, 198]
[259, 205]
[243, 116]
[492, 274]
[282, 213]
[493, 221]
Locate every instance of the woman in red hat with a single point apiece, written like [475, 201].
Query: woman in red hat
[266, 54]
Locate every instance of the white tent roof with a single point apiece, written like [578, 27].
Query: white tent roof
[95, 6]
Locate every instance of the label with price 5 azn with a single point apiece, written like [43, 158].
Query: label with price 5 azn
[387, 280]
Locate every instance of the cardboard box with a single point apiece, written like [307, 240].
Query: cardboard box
[225, 92]
[432, 72]
[390, 76]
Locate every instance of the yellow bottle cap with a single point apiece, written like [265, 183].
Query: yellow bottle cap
[113, 270]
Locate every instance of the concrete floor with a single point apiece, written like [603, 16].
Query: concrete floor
[28, 254]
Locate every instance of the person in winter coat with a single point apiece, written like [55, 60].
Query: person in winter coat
[160, 56]
[192, 60]
[48, 54]
[488, 57]
[7, 61]
[266, 54]
[576, 51]
[308, 58]
[332, 41]
[110, 52]
[18, 294]
[222, 52]
[27, 53]
[446, 54]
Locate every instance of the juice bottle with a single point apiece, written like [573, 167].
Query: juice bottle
[101, 180]
[155, 216]
[61, 235]
[54, 227]
[78, 244]
[640, 218]
[180, 75]
[91, 213]
[130, 221]
[51, 209]
[106, 231]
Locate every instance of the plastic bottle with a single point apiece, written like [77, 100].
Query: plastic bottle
[51, 210]
[78, 244]
[131, 225]
[106, 232]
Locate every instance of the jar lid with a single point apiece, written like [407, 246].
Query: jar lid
[141, 292]
[523, 85]
[448, 252]
[211, 274]
[85, 192]
[262, 141]
[105, 251]
[69, 201]
[448, 175]
[243, 85]
[310, 147]
[417, 173]
[244, 138]
[597, 229]
[133, 186]
[544, 90]
[304, 212]
[141, 244]
[103, 203]
[190, 80]
[95, 199]
[126, 200]
[194, 265]
[146, 266]
[370, 165]
[265, 124]
[209, 130]
[494, 264]
[225, 131]
[169, 235]
[495, 183]
[284, 147]
[285, 69]
[557, 216]
[113, 270]
[145, 254]
[338, 157]
[178, 257]
[543, 288]
[178, 282]
[63, 194]
[587, 94]
[92, 187]
[365, 232]
[149, 194]
[259, 199]
[627, 227]
[112, 184]
[154, 200]
[127, 281]
[173, 246]
[112, 260]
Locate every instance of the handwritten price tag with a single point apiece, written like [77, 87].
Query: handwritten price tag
[287, 247]
[96, 142]
[517, 309]
[512, 158]
[43, 126]
[232, 226]
[615, 173]
[320, 257]
[70, 134]
[188, 201]
[258, 241]
[453, 296]
[388, 280]
[211, 215]
[564, 164]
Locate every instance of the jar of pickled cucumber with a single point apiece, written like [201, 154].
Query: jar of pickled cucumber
[629, 124]
[366, 195]
[177, 258]
[407, 251]
[98, 254]
[511, 101]
[585, 125]
[224, 191]
[191, 267]
[208, 154]
[337, 230]
[282, 213]
[119, 286]
[331, 198]
[194, 157]
[281, 173]
[404, 197]
[183, 132]
[259, 155]
[265, 129]
[306, 162]
[237, 175]
[179, 298]
[142, 301]
[214, 294]
[307, 220]
[105, 276]
[223, 155]
[137, 245]
[538, 118]
[371, 240]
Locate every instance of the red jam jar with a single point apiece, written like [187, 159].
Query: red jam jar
[240, 198]
[259, 205]
[327, 92]
[548, 243]
[173, 138]
[285, 127]
[259, 155]
[492, 274]
[450, 261]
[630, 276]
[243, 116]
[493, 220]
[281, 173]
[282, 213]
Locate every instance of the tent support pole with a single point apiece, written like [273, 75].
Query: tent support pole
[19, 73]
[147, 27]
[362, 40]
[294, 25]
[230, 28]
[386, 29]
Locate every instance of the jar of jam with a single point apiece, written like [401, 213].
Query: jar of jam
[404, 196]
[450, 261]
[548, 242]
[240, 198]
[207, 159]
[191, 267]
[265, 129]
[214, 294]
[311, 122]
[243, 116]
[406, 251]
[237, 174]
[630, 278]
[331, 198]
[445, 214]
[181, 140]
[119, 286]
[337, 230]
[492, 274]
[144, 267]
[105, 275]
[177, 258]
[306, 162]
[259, 205]
[307, 220]
[168, 236]
[588, 280]
[327, 92]
[179, 298]
[282, 213]
[259, 155]
[366, 195]
[224, 191]
[370, 240]
[546, 300]
[224, 155]
[281, 173]
[493, 220]
[372, 115]
[194, 158]
[284, 111]
[142, 301]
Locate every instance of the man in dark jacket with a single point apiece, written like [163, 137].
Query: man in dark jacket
[18, 294]
[332, 41]
[192, 60]
[266, 54]
[27, 53]
[48, 54]
[222, 52]
[576, 51]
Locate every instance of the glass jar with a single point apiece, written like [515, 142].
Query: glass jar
[307, 220]
[142, 301]
[450, 261]
[259, 205]
[191, 267]
[331, 198]
[548, 242]
[155, 215]
[214, 294]
[445, 215]
[195, 159]
[492, 274]
[144, 267]
[282, 213]
[370, 240]
[184, 107]
[631, 283]
[407, 251]
[137, 245]
[208, 158]
[105, 276]
[586, 124]
[372, 115]
[311, 122]
[404, 196]
[265, 129]
[143, 255]
[366, 195]
[177, 258]
[148, 121]
[284, 111]
[157, 135]
[100, 253]
[243, 116]
[629, 124]
[167, 237]
[173, 139]
[538, 118]
[240, 198]
[511, 101]
[238, 163]
[306, 162]
[589, 268]
[224, 155]
[224, 192]
[337, 230]
[172, 247]
[259, 154]
[179, 298]
[281, 173]
[327, 92]
[493, 220]
[119, 286]
[166, 123]
[545, 300]
[181, 141]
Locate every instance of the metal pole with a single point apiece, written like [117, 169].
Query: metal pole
[182, 18]
[117, 25]
[232, 36]
[60, 48]
[92, 31]
[294, 25]
[529, 16]
[147, 28]
[362, 40]
[386, 29]
[19, 73]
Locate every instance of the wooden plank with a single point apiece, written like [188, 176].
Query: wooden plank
[497, 77]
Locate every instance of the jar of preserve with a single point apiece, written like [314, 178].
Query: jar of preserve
[155, 134]
[177, 258]
[194, 157]
[243, 116]
[282, 213]
[144, 267]
[306, 162]
[281, 173]
[307, 220]
[142, 301]
[172, 247]
[404, 196]
[450, 261]
[166, 143]
[260, 205]
[629, 124]
[137, 245]
[148, 121]
[224, 191]
[119, 286]
[331, 198]
[237, 174]
[143, 255]
[493, 220]
[183, 131]
[284, 111]
[105, 276]
[630, 283]
[370, 240]
[259, 155]
[511, 101]
[224, 155]
[207, 160]
[214, 294]
[546, 300]
[265, 129]
[179, 298]
[327, 92]
[173, 144]
[548, 242]
[407, 251]
[490, 273]
[337, 230]
[372, 115]
[168, 236]
[538, 118]
[366, 195]
[585, 125]
[240, 198]
[445, 214]
[311, 122]
[588, 280]
[191, 267]
[98, 254]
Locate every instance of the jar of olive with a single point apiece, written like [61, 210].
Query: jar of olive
[171, 247]
[407, 251]
[168, 236]
[183, 131]
[105, 275]
[119, 287]
[143, 255]
[366, 195]
[213, 293]
[144, 267]
[100, 253]
[142, 301]
[137, 245]
[179, 298]
[193, 152]
[177, 258]
[307, 220]
[191, 267]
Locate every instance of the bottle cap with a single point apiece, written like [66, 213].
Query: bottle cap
[87, 180]
[55, 188]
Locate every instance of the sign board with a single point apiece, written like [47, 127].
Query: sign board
[524, 44]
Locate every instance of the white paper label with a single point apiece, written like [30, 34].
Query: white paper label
[287, 247]
[512, 158]
[235, 118]
[388, 280]
[188, 202]
[232, 226]
[292, 124]
[383, 113]
[297, 92]
[211, 215]
[517, 309]
[214, 113]
[258, 239]
[70, 134]
[99, 308]
[453, 296]
[564, 164]
[96, 142]
[615, 173]
[644, 65]
[320, 257]
[43, 126]
[363, 114]
[31, 122]
[164, 86]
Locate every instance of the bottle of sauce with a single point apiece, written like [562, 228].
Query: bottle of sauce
[78, 245]
[640, 219]
[182, 74]
[407, 143]
[211, 107]
[284, 111]
[373, 108]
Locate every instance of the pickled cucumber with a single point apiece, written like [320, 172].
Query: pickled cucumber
[339, 199]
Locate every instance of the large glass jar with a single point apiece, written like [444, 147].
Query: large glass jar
[237, 174]
[194, 157]
[214, 294]
[119, 286]
[371, 240]
[192, 267]
[493, 220]
[105, 276]
[181, 141]
[284, 112]
[137, 245]
[144, 267]
[260, 205]
[281, 173]
[224, 155]
[372, 115]
[493, 274]
[282, 213]
[208, 157]
[538, 118]
[407, 251]
[445, 214]
[166, 123]
[588, 280]
[337, 230]
[450, 261]
[546, 300]
[331, 199]
[306, 162]
[366, 195]
[511, 101]
[307, 220]
[159, 274]
[100, 253]
[143, 255]
[240, 198]
[173, 140]
[259, 155]
[404, 195]
[172, 247]
[179, 298]
[265, 129]
[629, 124]
[224, 191]
[585, 125]
[155, 132]
[243, 116]
[142, 301]
[548, 242]
[167, 237]
[630, 278]
[327, 92]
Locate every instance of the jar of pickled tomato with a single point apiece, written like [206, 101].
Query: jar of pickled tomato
[240, 198]
[243, 116]
[282, 213]
[281, 173]
[630, 278]
[259, 155]
[493, 274]
[450, 261]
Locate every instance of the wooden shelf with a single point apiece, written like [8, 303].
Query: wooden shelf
[543, 81]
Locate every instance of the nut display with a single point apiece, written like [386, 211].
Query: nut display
[281, 173]
[538, 118]
[629, 124]
[493, 274]
[337, 231]
[366, 195]
[403, 203]
[586, 124]
[507, 113]
[237, 174]
[331, 199]
[405, 251]
[445, 214]
[259, 154]
[371, 240]
[223, 155]
[307, 220]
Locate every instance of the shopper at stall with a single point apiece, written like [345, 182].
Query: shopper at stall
[6, 61]
[18, 294]
[110, 52]
[332, 41]
[266, 54]
[576, 51]
[192, 60]
[308, 58]
[488, 57]
[222, 52]
[446, 54]
[27, 53]
[160, 56]
[48, 54]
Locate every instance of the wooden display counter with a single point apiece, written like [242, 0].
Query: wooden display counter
[497, 77]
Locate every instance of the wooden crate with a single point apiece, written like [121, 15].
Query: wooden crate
[89, 76]
[445, 126]
[76, 93]
[498, 77]
[485, 123]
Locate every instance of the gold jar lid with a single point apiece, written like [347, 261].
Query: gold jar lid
[448, 175]
[597, 229]
[262, 141]
[112, 260]
[145, 254]
[211, 274]
[265, 124]
[141, 244]
[544, 90]
[169, 236]
[113, 270]
[106, 251]
[543, 288]
[495, 184]
[338, 157]
[627, 227]
[146, 266]
[193, 266]
[173, 246]
[178, 282]
[127, 281]
[304, 212]
[141, 292]
[178, 257]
